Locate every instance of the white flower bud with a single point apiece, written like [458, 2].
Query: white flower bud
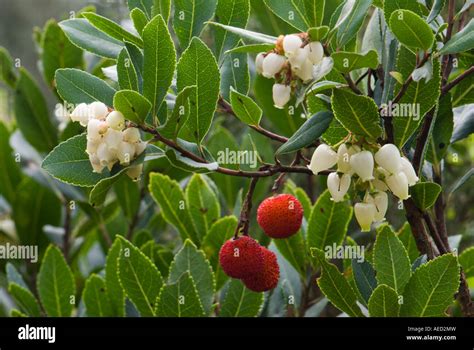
[409, 171]
[81, 114]
[363, 165]
[322, 68]
[125, 153]
[112, 139]
[305, 72]
[259, 62]
[96, 129]
[365, 214]
[343, 158]
[316, 52]
[272, 64]
[388, 157]
[281, 95]
[298, 58]
[61, 113]
[140, 148]
[135, 172]
[115, 120]
[131, 135]
[98, 110]
[338, 186]
[104, 154]
[379, 185]
[323, 158]
[97, 167]
[381, 205]
[291, 43]
[398, 184]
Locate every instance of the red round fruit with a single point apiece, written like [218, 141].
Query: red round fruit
[241, 257]
[268, 278]
[280, 216]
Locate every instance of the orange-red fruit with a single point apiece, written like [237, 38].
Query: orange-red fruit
[280, 216]
[241, 257]
[268, 278]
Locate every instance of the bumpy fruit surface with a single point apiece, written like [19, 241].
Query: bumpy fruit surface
[280, 216]
[268, 278]
[241, 257]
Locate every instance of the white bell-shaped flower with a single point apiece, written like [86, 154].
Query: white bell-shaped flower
[316, 52]
[344, 154]
[281, 95]
[105, 155]
[131, 135]
[381, 205]
[97, 167]
[322, 68]
[98, 110]
[365, 214]
[379, 185]
[81, 114]
[140, 147]
[259, 62]
[96, 129]
[135, 172]
[298, 58]
[115, 120]
[125, 153]
[305, 73]
[388, 157]
[398, 184]
[291, 43]
[323, 158]
[338, 186]
[272, 64]
[409, 171]
[112, 139]
[363, 165]
[91, 147]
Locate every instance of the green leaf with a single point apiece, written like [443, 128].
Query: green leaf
[203, 205]
[32, 213]
[240, 301]
[435, 10]
[221, 231]
[180, 113]
[252, 48]
[318, 33]
[160, 62]
[349, 27]
[24, 299]
[335, 287]
[112, 282]
[181, 162]
[247, 34]
[364, 278]
[144, 5]
[13, 276]
[233, 13]
[346, 62]
[292, 249]
[466, 260]
[10, 175]
[234, 74]
[163, 8]
[136, 58]
[193, 261]
[112, 29]
[424, 194]
[406, 237]
[442, 131]
[323, 86]
[432, 287]
[87, 37]
[139, 19]
[170, 197]
[96, 299]
[32, 114]
[127, 76]
[58, 52]
[300, 14]
[139, 277]
[197, 66]
[328, 222]
[245, 108]
[180, 299]
[389, 6]
[460, 42]
[391, 260]
[132, 105]
[56, 286]
[411, 30]
[77, 86]
[70, 163]
[310, 131]
[459, 183]
[189, 18]
[358, 114]
[128, 196]
[7, 73]
[421, 94]
[384, 302]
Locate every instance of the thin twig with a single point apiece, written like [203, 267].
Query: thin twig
[244, 220]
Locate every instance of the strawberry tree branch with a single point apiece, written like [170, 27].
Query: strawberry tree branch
[244, 220]
[457, 80]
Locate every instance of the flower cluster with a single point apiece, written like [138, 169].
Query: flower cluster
[294, 59]
[374, 171]
[108, 140]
